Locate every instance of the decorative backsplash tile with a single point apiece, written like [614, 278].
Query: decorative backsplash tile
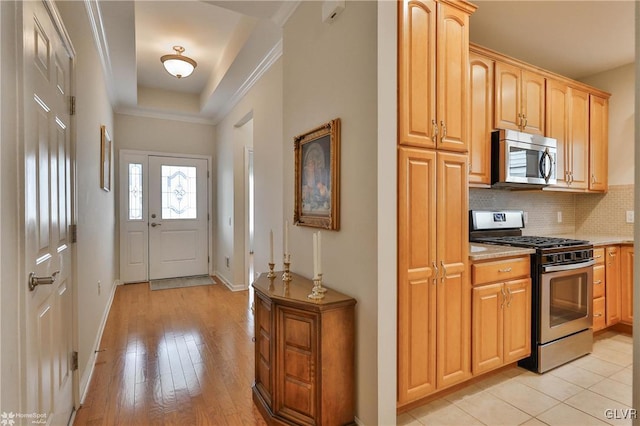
[605, 213]
[596, 214]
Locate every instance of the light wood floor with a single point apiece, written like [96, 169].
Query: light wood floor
[174, 357]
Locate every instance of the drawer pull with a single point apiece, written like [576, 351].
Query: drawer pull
[597, 282]
[504, 297]
[598, 256]
[597, 315]
[505, 269]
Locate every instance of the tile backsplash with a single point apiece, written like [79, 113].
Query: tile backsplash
[594, 214]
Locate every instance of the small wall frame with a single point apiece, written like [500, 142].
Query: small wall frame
[317, 177]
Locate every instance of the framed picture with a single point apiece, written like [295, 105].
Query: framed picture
[317, 177]
[105, 159]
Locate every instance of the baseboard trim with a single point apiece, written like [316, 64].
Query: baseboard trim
[232, 287]
[85, 380]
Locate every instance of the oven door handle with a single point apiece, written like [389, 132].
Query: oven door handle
[558, 268]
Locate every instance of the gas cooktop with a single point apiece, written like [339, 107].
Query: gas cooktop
[531, 241]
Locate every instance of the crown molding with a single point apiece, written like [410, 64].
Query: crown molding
[163, 115]
[100, 39]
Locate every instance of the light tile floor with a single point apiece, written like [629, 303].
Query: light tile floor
[592, 390]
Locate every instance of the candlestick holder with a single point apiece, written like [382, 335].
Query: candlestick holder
[286, 275]
[271, 274]
[317, 292]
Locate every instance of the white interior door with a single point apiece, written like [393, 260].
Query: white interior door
[178, 219]
[49, 306]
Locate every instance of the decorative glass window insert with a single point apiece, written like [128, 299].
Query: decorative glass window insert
[179, 192]
[135, 191]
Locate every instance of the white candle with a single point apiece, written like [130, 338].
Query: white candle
[319, 259]
[271, 246]
[286, 238]
[315, 256]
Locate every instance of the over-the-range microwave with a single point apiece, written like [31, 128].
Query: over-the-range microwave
[522, 160]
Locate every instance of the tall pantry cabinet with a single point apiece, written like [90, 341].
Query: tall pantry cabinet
[434, 298]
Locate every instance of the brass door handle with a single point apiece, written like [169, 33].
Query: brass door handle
[435, 275]
[435, 130]
[36, 281]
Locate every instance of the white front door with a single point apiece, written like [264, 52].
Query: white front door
[48, 166]
[178, 218]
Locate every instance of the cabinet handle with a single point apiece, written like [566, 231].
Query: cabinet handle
[524, 126]
[597, 315]
[519, 124]
[597, 282]
[435, 276]
[598, 256]
[504, 297]
[505, 269]
[593, 178]
[444, 272]
[253, 339]
[612, 254]
[435, 130]
[444, 131]
[510, 297]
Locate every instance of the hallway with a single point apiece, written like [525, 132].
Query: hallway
[174, 357]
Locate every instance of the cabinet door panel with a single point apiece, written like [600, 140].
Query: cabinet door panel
[297, 362]
[557, 127]
[598, 143]
[487, 326]
[579, 137]
[598, 281]
[517, 320]
[507, 96]
[612, 289]
[481, 118]
[263, 360]
[599, 317]
[416, 287]
[626, 279]
[453, 322]
[533, 90]
[417, 73]
[452, 77]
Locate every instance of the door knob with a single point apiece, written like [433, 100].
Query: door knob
[36, 281]
[153, 224]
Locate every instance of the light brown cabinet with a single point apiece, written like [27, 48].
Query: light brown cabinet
[304, 354]
[434, 305]
[433, 60]
[567, 120]
[519, 99]
[599, 283]
[501, 319]
[612, 287]
[626, 281]
[481, 118]
[599, 143]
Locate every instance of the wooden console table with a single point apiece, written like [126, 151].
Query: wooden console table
[304, 359]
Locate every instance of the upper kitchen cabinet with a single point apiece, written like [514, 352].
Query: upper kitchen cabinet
[599, 143]
[567, 121]
[519, 99]
[481, 118]
[433, 60]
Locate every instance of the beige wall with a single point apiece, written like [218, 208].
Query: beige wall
[620, 82]
[330, 70]
[263, 106]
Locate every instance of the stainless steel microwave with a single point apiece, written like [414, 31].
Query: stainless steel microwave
[522, 160]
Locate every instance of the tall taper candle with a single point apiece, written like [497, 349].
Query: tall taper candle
[286, 237]
[315, 255]
[319, 259]
[271, 246]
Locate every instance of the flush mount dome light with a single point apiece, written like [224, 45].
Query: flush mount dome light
[178, 65]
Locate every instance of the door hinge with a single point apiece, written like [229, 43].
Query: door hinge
[207, 173]
[208, 259]
[74, 360]
[73, 233]
[72, 105]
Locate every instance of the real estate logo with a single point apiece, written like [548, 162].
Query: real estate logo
[10, 418]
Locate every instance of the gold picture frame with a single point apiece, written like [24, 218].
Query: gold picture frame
[317, 177]
[105, 159]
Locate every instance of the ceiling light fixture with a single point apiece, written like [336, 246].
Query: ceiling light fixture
[178, 65]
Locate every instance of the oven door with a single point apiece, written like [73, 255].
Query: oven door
[566, 293]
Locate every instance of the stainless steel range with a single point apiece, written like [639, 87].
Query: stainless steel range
[562, 287]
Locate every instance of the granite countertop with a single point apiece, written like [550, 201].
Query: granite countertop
[479, 251]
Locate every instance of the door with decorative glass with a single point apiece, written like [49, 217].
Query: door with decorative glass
[164, 219]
